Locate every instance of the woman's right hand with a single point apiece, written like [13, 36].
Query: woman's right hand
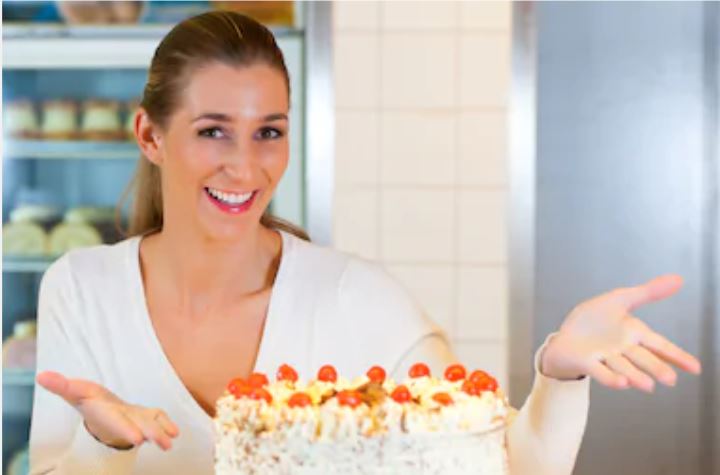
[109, 419]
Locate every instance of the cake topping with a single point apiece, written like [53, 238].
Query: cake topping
[287, 373]
[418, 370]
[376, 374]
[442, 398]
[349, 398]
[258, 380]
[260, 393]
[238, 387]
[455, 372]
[327, 373]
[483, 380]
[401, 394]
[299, 399]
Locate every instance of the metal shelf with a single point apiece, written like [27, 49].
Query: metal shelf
[70, 149]
[26, 264]
[18, 377]
[59, 46]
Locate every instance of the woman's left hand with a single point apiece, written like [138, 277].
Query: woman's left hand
[601, 338]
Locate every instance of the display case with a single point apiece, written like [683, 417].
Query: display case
[53, 70]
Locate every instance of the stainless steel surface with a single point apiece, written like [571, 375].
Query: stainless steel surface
[711, 333]
[320, 145]
[521, 217]
[625, 188]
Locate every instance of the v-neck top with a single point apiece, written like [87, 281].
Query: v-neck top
[326, 307]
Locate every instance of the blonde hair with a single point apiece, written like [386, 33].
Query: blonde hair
[223, 36]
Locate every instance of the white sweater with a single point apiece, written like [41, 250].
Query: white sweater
[325, 307]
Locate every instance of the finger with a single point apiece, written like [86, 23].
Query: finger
[167, 425]
[656, 289]
[651, 364]
[151, 429]
[603, 375]
[74, 391]
[111, 425]
[670, 352]
[621, 365]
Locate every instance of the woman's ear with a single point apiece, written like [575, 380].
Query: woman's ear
[148, 137]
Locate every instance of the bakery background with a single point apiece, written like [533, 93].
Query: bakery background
[471, 147]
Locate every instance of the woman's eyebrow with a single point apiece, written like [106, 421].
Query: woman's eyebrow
[219, 116]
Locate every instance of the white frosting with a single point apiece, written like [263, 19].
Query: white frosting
[420, 436]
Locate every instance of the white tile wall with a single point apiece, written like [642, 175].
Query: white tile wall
[355, 222]
[418, 70]
[418, 148]
[482, 148]
[484, 69]
[432, 286]
[357, 147]
[356, 63]
[417, 226]
[485, 15]
[352, 15]
[421, 168]
[482, 306]
[419, 15]
[482, 226]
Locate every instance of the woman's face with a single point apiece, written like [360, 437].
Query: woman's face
[225, 149]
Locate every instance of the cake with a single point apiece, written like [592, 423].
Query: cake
[101, 120]
[21, 120]
[59, 120]
[370, 425]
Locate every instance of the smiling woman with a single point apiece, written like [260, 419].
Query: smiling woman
[138, 340]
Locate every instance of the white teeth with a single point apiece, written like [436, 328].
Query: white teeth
[230, 198]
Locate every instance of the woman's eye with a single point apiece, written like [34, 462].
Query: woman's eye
[212, 132]
[269, 133]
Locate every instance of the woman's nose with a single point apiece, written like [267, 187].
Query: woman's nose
[241, 163]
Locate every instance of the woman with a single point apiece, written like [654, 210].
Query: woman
[137, 340]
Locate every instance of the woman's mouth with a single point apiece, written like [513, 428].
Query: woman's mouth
[230, 202]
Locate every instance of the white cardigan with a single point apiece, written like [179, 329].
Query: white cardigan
[325, 307]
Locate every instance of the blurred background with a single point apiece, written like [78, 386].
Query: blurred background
[504, 161]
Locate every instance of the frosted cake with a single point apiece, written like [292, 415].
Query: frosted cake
[453, 424]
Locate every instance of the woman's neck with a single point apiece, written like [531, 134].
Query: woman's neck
[199, 273]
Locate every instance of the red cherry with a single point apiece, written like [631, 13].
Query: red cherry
[299, 399]
[471, 388]
[401, 394]
[327, 373]
[260, 393]
[418, 370]
[455, 372]
[238, 387]
[258, 380]
[376, 374]
[483, 380]
[287, 373]
[349, 397]
[442, 398]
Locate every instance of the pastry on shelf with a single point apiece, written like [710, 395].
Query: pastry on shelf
[101, 218]
[59, 121]
[130, 109]
[67, 236]
[100, 12]
[24, 239]
[19, 351]
[277, 13]
[43, 215]
[101, 120]
[21, 120]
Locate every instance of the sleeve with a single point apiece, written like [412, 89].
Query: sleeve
[544, 437]
[59, 441]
